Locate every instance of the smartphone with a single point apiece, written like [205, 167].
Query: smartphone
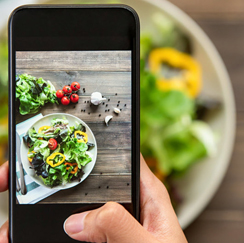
[73, 117]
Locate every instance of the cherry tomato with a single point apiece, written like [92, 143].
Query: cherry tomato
[52, 144]
[67, 89]
[65, 100]
[60, 93]
[74, 98]
[75, 86]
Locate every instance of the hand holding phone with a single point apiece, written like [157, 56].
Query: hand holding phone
[123, 228]
[74, 104]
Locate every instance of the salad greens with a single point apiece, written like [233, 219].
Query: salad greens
[168, 129]
[33, 93]
[56, 154]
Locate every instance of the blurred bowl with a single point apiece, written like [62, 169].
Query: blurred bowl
[201, 182]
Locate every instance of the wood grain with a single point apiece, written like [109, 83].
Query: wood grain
[75, 60]
[96, 188]
[106, 82]
[212, 9]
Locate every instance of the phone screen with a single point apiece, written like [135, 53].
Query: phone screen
[73, 122]
[75, 148]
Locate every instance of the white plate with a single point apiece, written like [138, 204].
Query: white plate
[46, 121]
[201, 182]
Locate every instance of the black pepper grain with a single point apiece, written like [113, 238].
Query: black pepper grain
[107, 187]
[103, 103]
[108, 99]
[125, 105]
[115, 93]
[106, 105]
[84, 101]
[118, 101]
[99, 115]
[117, 105]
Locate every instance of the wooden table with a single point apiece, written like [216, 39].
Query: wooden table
[106, 72]
[223, 219]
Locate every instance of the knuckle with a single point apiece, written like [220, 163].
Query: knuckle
[109, 214]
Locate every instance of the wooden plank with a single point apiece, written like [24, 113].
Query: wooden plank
[228, 37]
[91, 113]
[218, 229]
[107, 83]
[75, 60]
[209, 9]
[96, 189]
[112, 161]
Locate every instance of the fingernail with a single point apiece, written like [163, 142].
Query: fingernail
[75, 223]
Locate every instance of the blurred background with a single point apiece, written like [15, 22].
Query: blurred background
[189, 115]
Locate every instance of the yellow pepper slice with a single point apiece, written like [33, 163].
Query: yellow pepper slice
[43, 128]
[83, 134]
[74, 165]
[50, 159]
[189, 80]
[30, 159]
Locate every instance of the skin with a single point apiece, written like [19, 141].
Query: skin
[113, 224]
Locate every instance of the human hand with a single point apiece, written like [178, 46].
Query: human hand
[3, 187]
[113, 224]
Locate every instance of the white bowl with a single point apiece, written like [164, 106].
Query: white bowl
[201, 182]
[46, 121]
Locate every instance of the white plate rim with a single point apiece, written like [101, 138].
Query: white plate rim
[230, 111]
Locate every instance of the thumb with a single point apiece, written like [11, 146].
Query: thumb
[110, 223]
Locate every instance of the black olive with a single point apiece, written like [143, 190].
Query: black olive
[44, 174]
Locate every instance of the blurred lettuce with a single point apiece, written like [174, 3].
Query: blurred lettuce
[168, 131]
[163, 33]
[3, 99]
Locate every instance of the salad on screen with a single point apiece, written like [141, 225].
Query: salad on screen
[58, 152]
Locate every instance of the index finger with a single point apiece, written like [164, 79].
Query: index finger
[4, 174]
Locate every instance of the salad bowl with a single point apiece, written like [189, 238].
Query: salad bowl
[46, 120]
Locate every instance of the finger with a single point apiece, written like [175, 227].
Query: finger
[157, 214]
[110, 223]
[151, 187]
[4, 173]
[4, 233]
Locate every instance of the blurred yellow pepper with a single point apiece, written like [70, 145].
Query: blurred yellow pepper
[43, 128]
[188, 77]
[83, 134]
[50, 159]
